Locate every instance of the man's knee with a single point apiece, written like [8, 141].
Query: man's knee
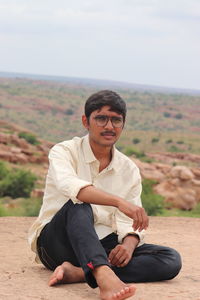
[175, 264]
[80, 213]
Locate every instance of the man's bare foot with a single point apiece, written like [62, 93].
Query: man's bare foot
[111, 287]
[66, 273]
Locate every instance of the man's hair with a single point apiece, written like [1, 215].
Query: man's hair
[105, 98]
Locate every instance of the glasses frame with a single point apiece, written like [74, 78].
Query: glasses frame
[109, 119]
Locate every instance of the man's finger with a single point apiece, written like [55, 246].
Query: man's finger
[118, 258]
[144, 224]
[140, 220]
[137, 221]
[112, 254]
[124, 263]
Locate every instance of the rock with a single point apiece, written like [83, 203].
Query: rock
[196, 182]
[155, 175]
[149, 171]
[181, 172]
[4, 138]
[196, 172]
[162, 167]
[179, 197]
[19, 142]
[5, 155]
[175, 181]
[21, 158]
[15, 150]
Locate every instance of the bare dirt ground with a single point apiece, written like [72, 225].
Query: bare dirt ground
[21, 278]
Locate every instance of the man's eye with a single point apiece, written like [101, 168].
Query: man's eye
[101, 118]
[117, 120]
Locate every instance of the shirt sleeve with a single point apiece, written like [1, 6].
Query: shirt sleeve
[124, 224]
[62, 169]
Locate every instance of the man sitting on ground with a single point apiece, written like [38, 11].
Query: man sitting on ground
[91, 223]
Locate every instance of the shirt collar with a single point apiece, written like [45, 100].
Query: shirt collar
[89, 155]
[87, 151]
[114, 164]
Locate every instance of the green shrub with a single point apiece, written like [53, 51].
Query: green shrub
[169, 141]
[166, 114]
[136, 141]
[153, 203]
[3, 170]
[180, 142]
[16, 182]
[147, 159]
[155, 140]
[130, 151]
[29, 137]
[173, 148]
[179, 116]
[69, 112]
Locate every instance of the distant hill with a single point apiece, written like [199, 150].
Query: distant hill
[157, 120]
[101, 83]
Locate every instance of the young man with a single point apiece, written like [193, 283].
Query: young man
[91, 224]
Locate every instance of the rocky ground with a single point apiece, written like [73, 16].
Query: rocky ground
[21, 278]
[178, 184]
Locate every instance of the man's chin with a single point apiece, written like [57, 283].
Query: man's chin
[108, 143]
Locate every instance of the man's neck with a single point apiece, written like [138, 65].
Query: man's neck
[101, 152]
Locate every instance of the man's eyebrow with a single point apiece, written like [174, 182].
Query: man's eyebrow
[101, 115]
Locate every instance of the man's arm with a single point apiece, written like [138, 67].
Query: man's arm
[63, 172]
[90, 194]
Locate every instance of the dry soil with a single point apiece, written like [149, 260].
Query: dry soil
[21, 278]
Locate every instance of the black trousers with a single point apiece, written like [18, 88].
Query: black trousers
[70, 236]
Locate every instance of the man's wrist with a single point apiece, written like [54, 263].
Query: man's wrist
[119, 201]
[131, 236]
[131, 241]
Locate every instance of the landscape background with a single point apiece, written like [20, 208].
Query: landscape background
[162, 132]
[161, 119]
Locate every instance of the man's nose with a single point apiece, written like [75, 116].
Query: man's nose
[109, 124]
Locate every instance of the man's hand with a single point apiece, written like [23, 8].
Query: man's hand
[122, 253]
[137, 213]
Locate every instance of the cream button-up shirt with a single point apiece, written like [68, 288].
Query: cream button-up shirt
[73, 166]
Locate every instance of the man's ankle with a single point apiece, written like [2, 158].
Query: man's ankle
[100, 270]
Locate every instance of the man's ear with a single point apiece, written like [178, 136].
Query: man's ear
[85, 122]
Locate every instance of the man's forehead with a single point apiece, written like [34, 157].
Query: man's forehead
[105, 109]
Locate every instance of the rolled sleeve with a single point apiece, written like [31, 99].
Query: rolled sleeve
[62, 170]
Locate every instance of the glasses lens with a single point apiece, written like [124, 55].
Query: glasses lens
[101, 120]
[117, 122]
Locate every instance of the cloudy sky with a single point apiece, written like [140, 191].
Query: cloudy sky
[154, 42]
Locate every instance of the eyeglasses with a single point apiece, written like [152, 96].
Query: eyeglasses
[102, 120]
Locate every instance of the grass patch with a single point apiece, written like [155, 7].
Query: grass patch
[153, 203]
[20, 207]
[131, 151]
[175, 212]
[29, 137]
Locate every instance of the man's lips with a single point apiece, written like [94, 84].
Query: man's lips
[108, 133]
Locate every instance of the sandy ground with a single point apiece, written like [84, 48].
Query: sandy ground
[21, 278]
